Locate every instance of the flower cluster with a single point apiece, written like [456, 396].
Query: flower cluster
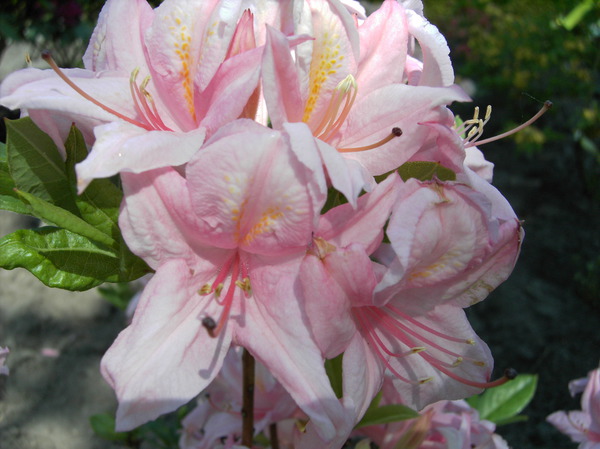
[260, 157]
[583, 426]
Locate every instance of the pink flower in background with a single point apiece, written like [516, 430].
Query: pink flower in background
[442, 425]
[3, 355]
[582, 426]
[159, 80]
[217, 414]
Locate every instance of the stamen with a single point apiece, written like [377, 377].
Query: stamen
[396, 132]
[345, 92]
[542, 111]
[48, 58]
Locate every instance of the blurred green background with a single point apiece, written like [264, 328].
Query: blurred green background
[513, 55]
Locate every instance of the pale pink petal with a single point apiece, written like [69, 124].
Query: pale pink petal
[327, 307]
[117, 42]
[226, 96]
[165, 357]
[437, 67]
[262, 205]
[373, 118]
[121, 147]
[275, 331]
[449, 247]
[363, 375]
[590, 402]
[173, 230]
[383, 47]
[176, 45]
[574, 424]
[477, 162]
[344, 225]
[334, 57]
[280, 81]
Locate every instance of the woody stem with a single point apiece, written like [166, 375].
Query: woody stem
[248, 399]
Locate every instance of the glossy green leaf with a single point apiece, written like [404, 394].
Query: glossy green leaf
[36, 165]
[103, 425]
[501, 404]
[59, 258]
[98, 204]
[9, 200]
[425, 171]
[333, 367]
[63, 218]
[387, 414]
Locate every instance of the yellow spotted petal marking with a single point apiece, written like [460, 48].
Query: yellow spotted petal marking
[182, 43]
[325, 63]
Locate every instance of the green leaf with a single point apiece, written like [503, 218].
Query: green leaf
[65, 219]
[99, 204]
[501, 404]
[425, 171]
[576, 15]
[333, 367]
[103, 425]
[59, 258]
[36, 165]
[9, 200]
[387, 414]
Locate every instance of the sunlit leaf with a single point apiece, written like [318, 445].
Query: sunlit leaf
[333, 367]
[63, 218]
[36, 165]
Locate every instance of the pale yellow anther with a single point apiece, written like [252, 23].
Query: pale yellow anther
[479, 363]
[418, 349]
[347, 84]
[145, 83]
[457, 362]
[134, 74]
[218, 290]
[425, 380]
[205, 289]
[470, 341]
[244, 284]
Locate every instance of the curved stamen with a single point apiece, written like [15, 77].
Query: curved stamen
[344, 93]
[48, 58]
[542, 111]
[396, 132]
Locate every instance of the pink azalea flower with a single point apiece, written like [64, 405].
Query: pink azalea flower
[217, 414]
[156, 83]
[335, 83]
[450, 246]
[582, 426]
[442, 425]
[226, 242]
[3, 355]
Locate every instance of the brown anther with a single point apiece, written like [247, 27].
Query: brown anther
[396, 131]
[510, 373]
[210, 325]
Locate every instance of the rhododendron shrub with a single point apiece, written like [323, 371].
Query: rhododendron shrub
[293, 183]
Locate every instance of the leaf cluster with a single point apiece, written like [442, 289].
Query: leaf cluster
[80, 246]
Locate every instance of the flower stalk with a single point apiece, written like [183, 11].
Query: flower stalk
[248, 398]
